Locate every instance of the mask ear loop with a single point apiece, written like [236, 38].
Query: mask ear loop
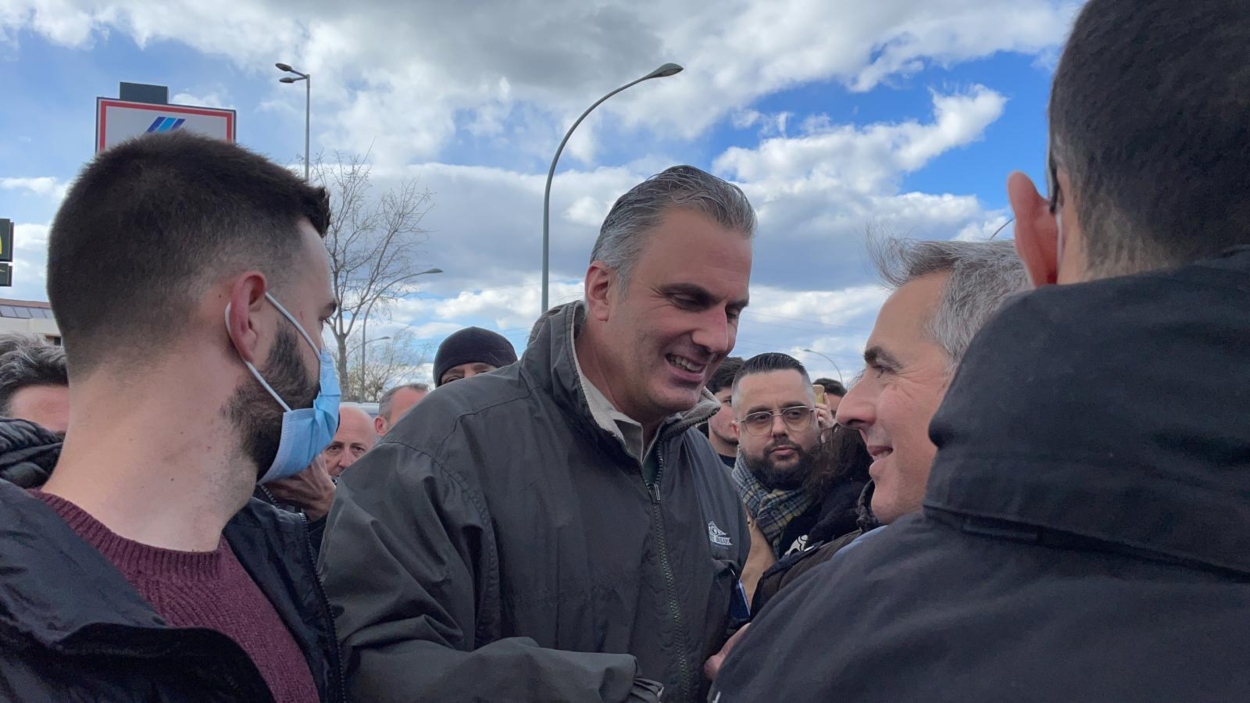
[297, 325]
[252, 368]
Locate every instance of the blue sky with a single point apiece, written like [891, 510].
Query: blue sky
[834, 117]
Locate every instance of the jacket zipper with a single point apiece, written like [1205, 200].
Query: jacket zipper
[336, 656]
[674, 608]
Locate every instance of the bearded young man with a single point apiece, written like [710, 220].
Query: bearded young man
[190, 284]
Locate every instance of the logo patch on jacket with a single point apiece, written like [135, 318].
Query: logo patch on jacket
[717, 536]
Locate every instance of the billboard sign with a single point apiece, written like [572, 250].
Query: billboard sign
[119, 120]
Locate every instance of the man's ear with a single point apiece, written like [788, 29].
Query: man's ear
[600, 290]
[1036, 232]
[379, 426]
[246, 300]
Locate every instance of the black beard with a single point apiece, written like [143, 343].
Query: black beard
[775, 479]
[256, 416]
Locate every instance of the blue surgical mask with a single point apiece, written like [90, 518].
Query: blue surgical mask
[306, 432]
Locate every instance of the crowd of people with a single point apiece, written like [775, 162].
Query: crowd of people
[1033, 492]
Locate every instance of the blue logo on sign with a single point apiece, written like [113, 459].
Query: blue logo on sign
[165, 124]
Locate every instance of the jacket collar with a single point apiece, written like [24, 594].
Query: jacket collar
[28, 452]
[1111, 411]
[552, 357]
[56, 585]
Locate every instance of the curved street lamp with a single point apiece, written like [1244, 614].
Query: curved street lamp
[307, 78]
[668, 69]
[365, 325]
[367, 343]
[826, 358]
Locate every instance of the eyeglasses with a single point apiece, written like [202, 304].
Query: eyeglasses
[797, 417]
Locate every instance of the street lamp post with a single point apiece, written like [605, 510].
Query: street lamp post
[364, 329]
[307, 78]
[668, 69]
[363, 369]
[826, 358]
[366, 343]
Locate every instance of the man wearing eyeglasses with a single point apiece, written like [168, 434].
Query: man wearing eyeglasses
[778, 424]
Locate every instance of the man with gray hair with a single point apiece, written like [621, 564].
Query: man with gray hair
[559, 530]
[1082, 538]
[944, 291]
[34, 383]
[395, 403]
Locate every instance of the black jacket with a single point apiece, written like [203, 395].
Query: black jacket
[499, 545]
[826, 539]
[73, 628]
[833, 516]
[1086, 530]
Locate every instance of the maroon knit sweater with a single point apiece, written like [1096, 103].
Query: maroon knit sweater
[203, 589]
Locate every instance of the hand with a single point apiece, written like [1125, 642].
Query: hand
[824, 417]
[714, 663]
[312, 489]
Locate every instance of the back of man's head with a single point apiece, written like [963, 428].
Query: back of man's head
[151, 224]
[724, 376]
[34, 383]
[1150, 118]
[831, 386]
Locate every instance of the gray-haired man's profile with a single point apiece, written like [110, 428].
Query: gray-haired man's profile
[1081, 537]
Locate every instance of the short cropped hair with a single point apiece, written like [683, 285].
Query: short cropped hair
[150, 224]
[1150, 117]
[724, 376]
[766, 363]
[638, 212]
[29, 363]
[831, 386]
[982, 276]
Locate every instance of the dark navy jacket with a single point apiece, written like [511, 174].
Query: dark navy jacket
[1086, 530]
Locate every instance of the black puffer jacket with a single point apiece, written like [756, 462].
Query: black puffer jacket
[1085, 535]
[73, 628]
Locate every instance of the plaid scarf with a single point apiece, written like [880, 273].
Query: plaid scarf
[772, 510]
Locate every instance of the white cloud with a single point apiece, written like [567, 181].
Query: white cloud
[213, 98]
[411, 81]
[404, 73]
[996, 225]
[30, 255]
[866, 159]
[816, 195]
[42, 186]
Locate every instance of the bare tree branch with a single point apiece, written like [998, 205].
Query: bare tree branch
[375, 365]
[374, 241]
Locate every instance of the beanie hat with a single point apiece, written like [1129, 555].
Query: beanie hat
[472, 345]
